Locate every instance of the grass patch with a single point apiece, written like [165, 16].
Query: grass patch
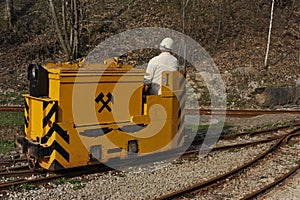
[76, 184]
[14, 188]
[59, 181]
[27, 186]
[203, 128]
[10, 124]
[11, 118]
[6, 145]
[11, 97]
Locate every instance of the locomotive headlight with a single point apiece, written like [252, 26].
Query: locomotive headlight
[33, 73]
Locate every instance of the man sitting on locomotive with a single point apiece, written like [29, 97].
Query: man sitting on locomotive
[163, 62]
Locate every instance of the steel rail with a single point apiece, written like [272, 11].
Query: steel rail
[229, 113]
[97, 169]
[18, 170]
[7, 185]
[197, 187]
[11, 108]
[64, 174]
[277, 181]
[10, 161]
[11, 169]
[261, 132]
[17, 173]
[239, 113]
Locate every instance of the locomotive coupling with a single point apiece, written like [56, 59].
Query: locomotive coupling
[30, 148]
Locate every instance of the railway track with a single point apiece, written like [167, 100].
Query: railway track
[247, 138]
[11, 108]
[9, 162]
[240, 113]
[42, 177]
[16, 175]
[16, 178]
[220, 182]
[229, 113]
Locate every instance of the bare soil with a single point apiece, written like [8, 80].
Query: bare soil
[233, 32]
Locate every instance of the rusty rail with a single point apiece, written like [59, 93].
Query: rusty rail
[277, 181]
[11, 108]
[197, 187]
[239, 113]
[229, 113]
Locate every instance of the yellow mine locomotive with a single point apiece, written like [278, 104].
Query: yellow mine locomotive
[83, 114]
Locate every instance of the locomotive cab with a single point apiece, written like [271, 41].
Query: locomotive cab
[38, 79]
[78, 115]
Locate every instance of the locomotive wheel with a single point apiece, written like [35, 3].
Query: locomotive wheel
[32, 163]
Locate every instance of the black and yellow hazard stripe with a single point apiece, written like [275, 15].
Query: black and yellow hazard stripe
[181, 107]
[58, 130]
[49, 112]
[50, 108]
[57, 147]
[58, 153]
[26, 114]
[56, 166]
[51, 130]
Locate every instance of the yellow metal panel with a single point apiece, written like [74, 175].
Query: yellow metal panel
[100, 96]
[173, 82]
[54, 89]
[65, 102]
[36, 118]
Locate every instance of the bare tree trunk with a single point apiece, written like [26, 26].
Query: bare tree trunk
[269, 37]
[220, 22]
[75, 28]
[9, 12]
[184, 5]
[59, 34]
[64, 24]
[68, 32]
[71, 25]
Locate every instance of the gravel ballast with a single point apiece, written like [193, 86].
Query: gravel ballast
[148, 183]
[163, 178]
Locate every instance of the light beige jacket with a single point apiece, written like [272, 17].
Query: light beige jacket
[163, 62]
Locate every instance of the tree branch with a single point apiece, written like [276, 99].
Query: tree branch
[59, 34]
[269, 37]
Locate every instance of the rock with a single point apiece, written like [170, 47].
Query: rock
[273, 96]
[245, 71]
[298, 82]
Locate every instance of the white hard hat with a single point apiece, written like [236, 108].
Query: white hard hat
[166, 44]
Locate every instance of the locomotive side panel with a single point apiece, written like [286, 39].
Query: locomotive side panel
[93, 115]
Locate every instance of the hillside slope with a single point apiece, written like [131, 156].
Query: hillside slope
[233, 32]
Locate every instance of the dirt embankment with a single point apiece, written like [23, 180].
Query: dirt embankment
[233, 32]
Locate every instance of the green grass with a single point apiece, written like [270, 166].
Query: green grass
[11, 118]
[11, 97]
[59, 181]
[9, 122]
[27, 186]
[204, 128]
[76, 184]
[6, 145]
